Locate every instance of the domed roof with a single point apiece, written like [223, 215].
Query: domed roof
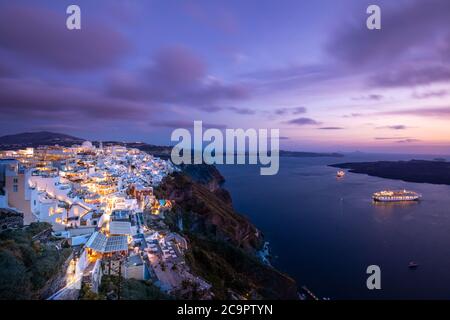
[86, 145]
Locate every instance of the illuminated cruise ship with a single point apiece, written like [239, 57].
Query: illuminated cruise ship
[396, 195]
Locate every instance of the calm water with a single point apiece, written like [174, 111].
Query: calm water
[325, 232]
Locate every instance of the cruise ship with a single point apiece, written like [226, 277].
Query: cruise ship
[396, 195]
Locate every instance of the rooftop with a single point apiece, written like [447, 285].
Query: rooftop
[120, 227]
[101, 243]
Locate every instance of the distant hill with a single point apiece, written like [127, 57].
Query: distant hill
[33, 139]
[300, 154]
[46, 138]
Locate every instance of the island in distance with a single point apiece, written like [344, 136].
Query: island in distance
[302, 154]
[422, 171]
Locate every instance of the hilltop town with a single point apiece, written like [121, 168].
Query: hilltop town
[100, 202]
[115, 220]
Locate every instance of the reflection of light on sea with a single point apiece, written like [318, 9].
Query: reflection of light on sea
[395, 204]
[385, 209]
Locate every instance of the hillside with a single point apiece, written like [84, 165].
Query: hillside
[33, 139]
[29, 268]
[46, 138]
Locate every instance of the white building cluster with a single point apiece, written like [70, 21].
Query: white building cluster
[101, 200]
[79, 186]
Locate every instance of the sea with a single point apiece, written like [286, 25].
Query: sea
[325, 232]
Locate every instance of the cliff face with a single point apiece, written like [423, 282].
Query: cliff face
[223, 243]
[210, 211]
[209, 177]
[204, 174]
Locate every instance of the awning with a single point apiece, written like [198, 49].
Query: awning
[103, 244]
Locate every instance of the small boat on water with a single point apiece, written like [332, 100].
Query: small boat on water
[413, 265]
[396, 196]
[340, 173]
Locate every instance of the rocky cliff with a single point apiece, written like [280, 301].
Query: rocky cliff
[223, 243]
[197, 191]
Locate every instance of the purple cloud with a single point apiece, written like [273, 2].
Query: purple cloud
[431, 94]
[410, 49]
[290, 76]
[370, 97]
[411, 140]
[294, 111]
[176, 66]
[441, 112]
[402, 54]
[394, 127]
[173, 124]
[40, 35]
[303, 121]
[398, 139]
[353, 115]
[391, 138]
[411, 76]
[31, 99]
[177, 75]
[243, 111]
[403, 29]
[331, 128]
[212, 16]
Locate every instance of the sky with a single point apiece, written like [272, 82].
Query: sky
[139, 69]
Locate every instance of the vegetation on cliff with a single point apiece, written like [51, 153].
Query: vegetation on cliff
[232, 271]
[26, 265]
[130, 289]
